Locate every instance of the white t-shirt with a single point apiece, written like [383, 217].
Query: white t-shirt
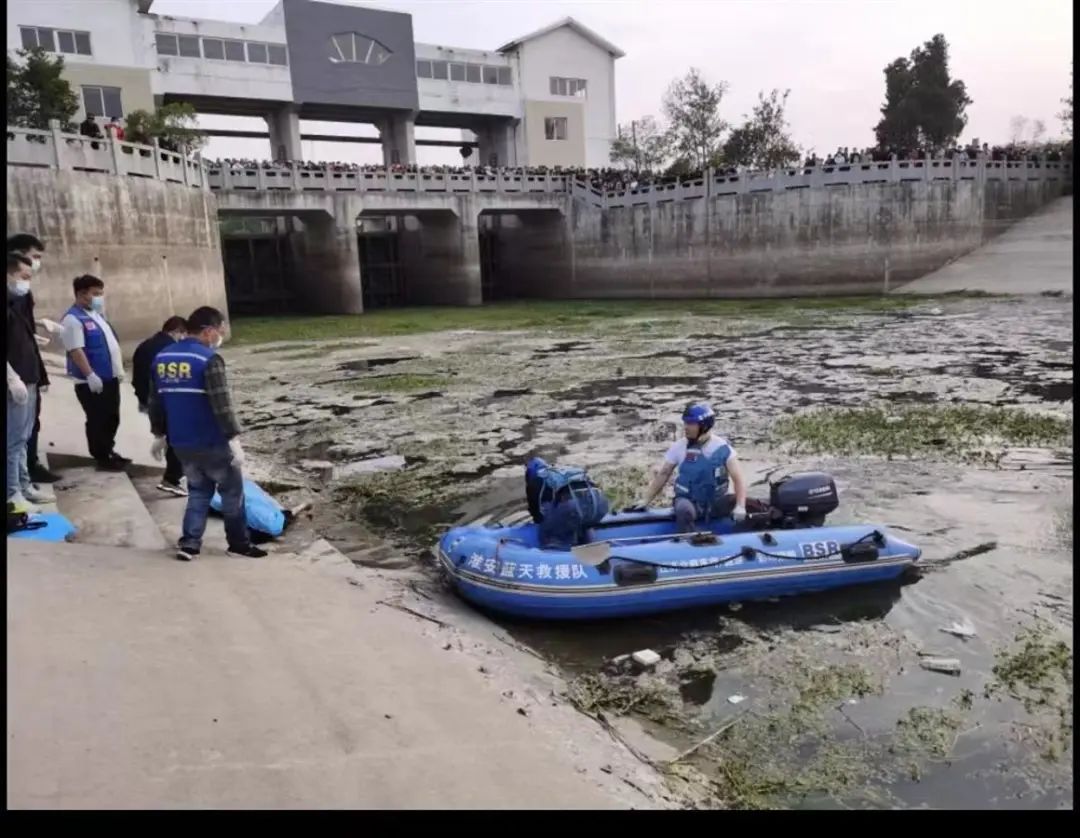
[677, 452]
[73, 337]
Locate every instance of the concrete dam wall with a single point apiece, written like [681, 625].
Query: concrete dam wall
[857, 238]
[155, 244]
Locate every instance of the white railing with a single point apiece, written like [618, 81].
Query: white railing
[53, 149]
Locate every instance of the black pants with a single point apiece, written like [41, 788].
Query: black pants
[173, 468]
[31, 445]
[102, 417]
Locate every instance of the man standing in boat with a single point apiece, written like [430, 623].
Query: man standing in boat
[705, 464]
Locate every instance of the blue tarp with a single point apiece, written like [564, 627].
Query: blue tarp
[56, 528]
[264, 514]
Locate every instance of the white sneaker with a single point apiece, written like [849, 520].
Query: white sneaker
[35, 495]
[17, 503]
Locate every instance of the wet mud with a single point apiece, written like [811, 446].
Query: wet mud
[820, 701]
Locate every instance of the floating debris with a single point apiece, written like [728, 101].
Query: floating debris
[964, 629]
[736, 699]
[646, 658]
[950, 666]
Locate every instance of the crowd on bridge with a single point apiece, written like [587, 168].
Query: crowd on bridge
[612, 179]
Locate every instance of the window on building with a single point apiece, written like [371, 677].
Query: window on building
[278, 55]
[354, 48]
[234, 51]
[189, 46]
[491, 74]
[166, 44]
[554, 127]
[213, 48]
[37, 36]
[457, 72]
[439, 70]
[473, 73]
[73, 43]
[257, 53]
[423, 69]
[567, 87]
[505, 77]
[102, 101]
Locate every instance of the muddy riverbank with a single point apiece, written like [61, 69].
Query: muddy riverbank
[948, 419]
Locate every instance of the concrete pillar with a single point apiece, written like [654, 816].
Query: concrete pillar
[331, 263]
[284, 126]
[398, 139]
[497, 144]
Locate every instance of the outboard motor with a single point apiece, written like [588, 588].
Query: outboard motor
[803, 500]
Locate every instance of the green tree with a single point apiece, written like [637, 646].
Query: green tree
[762, 141]
[642, 146]
[923, 104]
[37, 92]
[692, 107]
[174, 126]
[1066, 116]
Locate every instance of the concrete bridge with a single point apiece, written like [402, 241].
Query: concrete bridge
[348, 240]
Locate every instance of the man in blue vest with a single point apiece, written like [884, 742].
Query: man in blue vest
[191, 411]
[705, 463]
[95, 363]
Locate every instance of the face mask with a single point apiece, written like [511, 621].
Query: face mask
[21, 287]
[97, 304]
[35, 264]
[218, 341]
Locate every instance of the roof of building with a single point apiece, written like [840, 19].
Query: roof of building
[580, 28]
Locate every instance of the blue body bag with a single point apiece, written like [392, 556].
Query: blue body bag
[264, 514]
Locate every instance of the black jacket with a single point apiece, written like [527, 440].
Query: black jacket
[141, 363]
[22, 350]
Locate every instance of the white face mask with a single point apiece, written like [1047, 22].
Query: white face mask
[35, 264]
[218, 341]
[21, 287]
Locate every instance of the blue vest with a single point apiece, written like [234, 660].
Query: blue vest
[701, 475]
[179, 376]
[96, 347]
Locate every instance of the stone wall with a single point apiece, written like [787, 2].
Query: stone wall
[858, 238]
[155, 244]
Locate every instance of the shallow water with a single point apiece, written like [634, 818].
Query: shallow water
[994, 551]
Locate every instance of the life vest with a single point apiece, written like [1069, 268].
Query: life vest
[569, 503]
[96, 347]
[702, 476]
[179, 375]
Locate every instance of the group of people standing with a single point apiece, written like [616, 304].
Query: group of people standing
[179, 381]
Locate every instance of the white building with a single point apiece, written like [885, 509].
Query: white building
[547, 98]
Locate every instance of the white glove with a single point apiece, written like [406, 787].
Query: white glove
[157, 449]
[96, 385]
[42, 340]
[738, 514]
[17, 390]
[50, 326]
[237, 452]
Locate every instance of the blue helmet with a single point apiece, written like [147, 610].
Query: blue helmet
[534, 467]
[701, 414]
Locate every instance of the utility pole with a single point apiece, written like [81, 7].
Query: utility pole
[637, 153]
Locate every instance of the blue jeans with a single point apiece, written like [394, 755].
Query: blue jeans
[687, 513]
[20, 427]
[207, 470]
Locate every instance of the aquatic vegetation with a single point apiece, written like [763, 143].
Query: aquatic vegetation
[949, 431]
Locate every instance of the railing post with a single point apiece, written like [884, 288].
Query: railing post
[184, 164]
[114, 148]
[709, 174]
[157, 158]
[59, 157]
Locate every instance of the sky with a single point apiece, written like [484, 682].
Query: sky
[1014, 59]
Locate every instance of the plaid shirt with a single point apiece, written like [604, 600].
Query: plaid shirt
[217, 391]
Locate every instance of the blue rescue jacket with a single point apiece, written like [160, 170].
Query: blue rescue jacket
[179, 375]
[701, 477]
[96, 347]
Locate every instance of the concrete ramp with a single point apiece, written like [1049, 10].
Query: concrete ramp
[1031, 257]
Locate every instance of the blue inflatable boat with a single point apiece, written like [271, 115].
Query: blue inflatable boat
[635, 563]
